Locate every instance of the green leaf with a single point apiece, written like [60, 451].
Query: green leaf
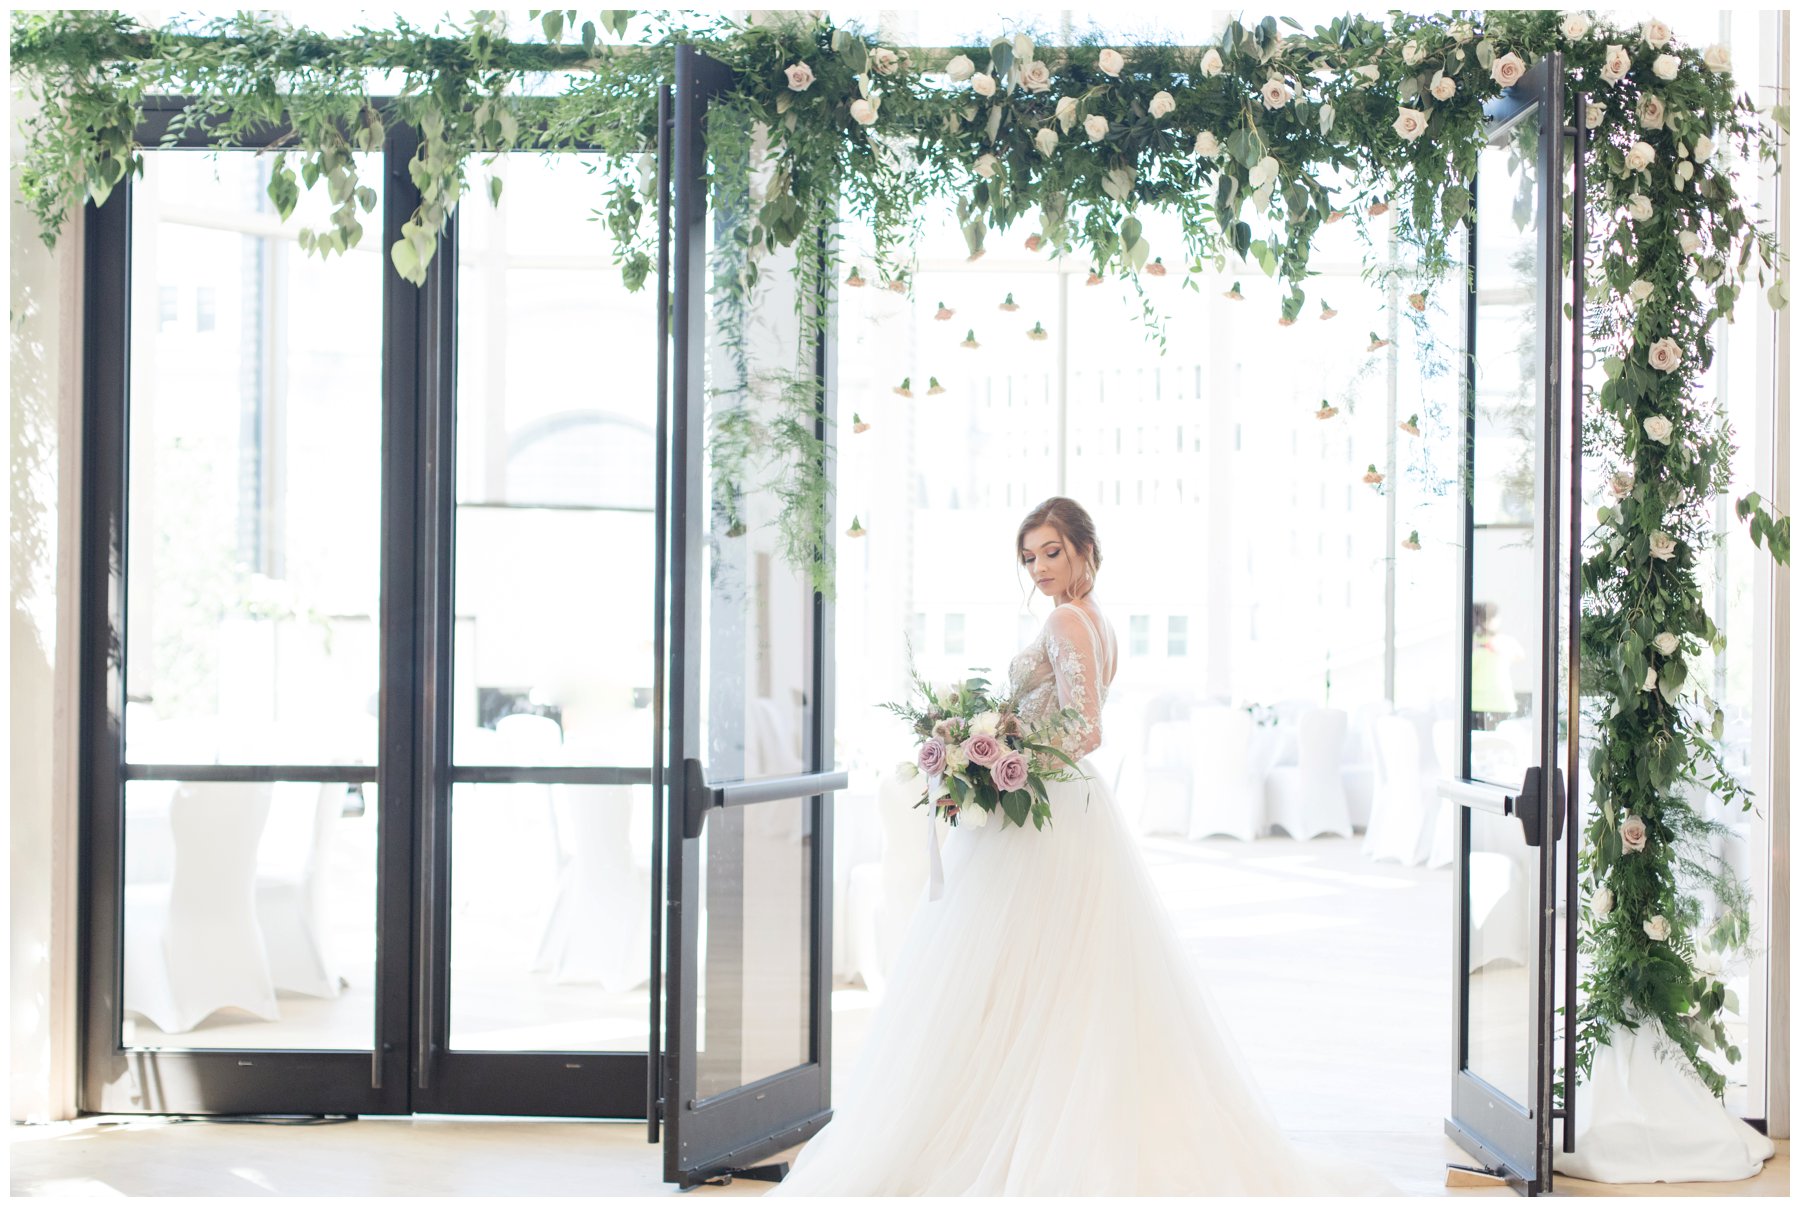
[589, 36]
[1778, 294]
[553, 29]
[406, 262]
[1455, 204]
[495, 184]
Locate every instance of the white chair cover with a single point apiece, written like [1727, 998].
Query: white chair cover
[1308, 799]
[1403, 816]
[192, 945]
[598, 932]
[1228, 798]
[1167, 778]
[292, 897]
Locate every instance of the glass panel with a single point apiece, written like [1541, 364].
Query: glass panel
[249, 916]
[756, 656]
[252, 552]
[1498, 893]
[756, 940]
[549, 918]
[1507, 579]
[556, 486]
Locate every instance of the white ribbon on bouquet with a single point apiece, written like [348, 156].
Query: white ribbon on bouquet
[934, 789]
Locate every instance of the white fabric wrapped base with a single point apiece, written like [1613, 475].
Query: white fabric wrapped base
[1645, 1117]
[1044, 1032]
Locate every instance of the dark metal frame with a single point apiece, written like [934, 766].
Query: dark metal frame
[1514, 1139]
[727, 1133]
[414, 772]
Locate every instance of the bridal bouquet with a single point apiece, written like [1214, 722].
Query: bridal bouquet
[979, 758]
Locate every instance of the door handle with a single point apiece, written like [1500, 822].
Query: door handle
[1527, 806]
[700, 797]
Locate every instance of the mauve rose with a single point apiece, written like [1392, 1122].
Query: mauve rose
[932, 757]
[983, 749]
[1010, 772]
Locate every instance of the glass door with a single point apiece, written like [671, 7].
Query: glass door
[244, 826]
[1517, 736]
[748, 823]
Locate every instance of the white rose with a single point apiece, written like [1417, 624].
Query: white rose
[1690, 242]
[984, 722]
[960, 68]
[1411, 53]
[1596, 114]
[1667, 643]
[986, 164]
[1410, 124]
[1640, 156]
[1507, 69]
[1639, 208]
[1443, 87]
[1621, 484]
[1369, 71]
[1717, 57]
[884, 60]
[1275, 94]
[1665, 355]
[1666, 66]
[1603, 901]
[1096, 127]
[1656, 33]
[1617, 65]
[1657, 927]
[972, 815]
[799, 77]
[1703, 149]
[1634, 835]
[1065, 112]
[1046, 140]
[1576, 25]
[1206, 143]
[864, 111]
[905, 771]
[1662, 546]
[1641, 289]
[1036, 76]
[1650, 111]
[1265, 170]
[1111, 62]
[1161, 105]
[983, 84]
[1462, 31]
[1211, 64]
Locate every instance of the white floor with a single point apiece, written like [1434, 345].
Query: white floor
[1333, 973]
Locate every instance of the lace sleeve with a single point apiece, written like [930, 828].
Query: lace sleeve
[1069, 641]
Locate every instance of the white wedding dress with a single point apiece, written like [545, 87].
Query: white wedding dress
[1044, 1031]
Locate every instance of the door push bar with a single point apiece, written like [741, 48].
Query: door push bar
[698, 796]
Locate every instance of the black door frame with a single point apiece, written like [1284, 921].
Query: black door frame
[409, 1066]
[729, 1132]
[1515, 1139]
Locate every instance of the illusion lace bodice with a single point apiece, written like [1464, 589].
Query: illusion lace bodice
[1067, 665]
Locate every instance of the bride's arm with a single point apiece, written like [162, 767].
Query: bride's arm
[1070, 644]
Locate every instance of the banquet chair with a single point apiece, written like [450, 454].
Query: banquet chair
[293, 861]
[192, 944]
[1228, 798]
[1403, 817]
[1308, 799]
[598, 931]
[1167, 779]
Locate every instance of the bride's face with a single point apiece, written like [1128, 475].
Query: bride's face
[1052, 563]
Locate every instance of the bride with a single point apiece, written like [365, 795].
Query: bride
[1044, 1031]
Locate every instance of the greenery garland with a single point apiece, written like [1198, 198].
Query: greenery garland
[1254, 143]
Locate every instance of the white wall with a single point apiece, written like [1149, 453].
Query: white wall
[42, 445]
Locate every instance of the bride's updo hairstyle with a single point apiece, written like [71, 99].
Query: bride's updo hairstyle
[1074, 525]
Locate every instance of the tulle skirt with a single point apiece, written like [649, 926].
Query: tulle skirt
[1044, 1032]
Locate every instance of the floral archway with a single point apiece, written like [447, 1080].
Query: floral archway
[1254, 143]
